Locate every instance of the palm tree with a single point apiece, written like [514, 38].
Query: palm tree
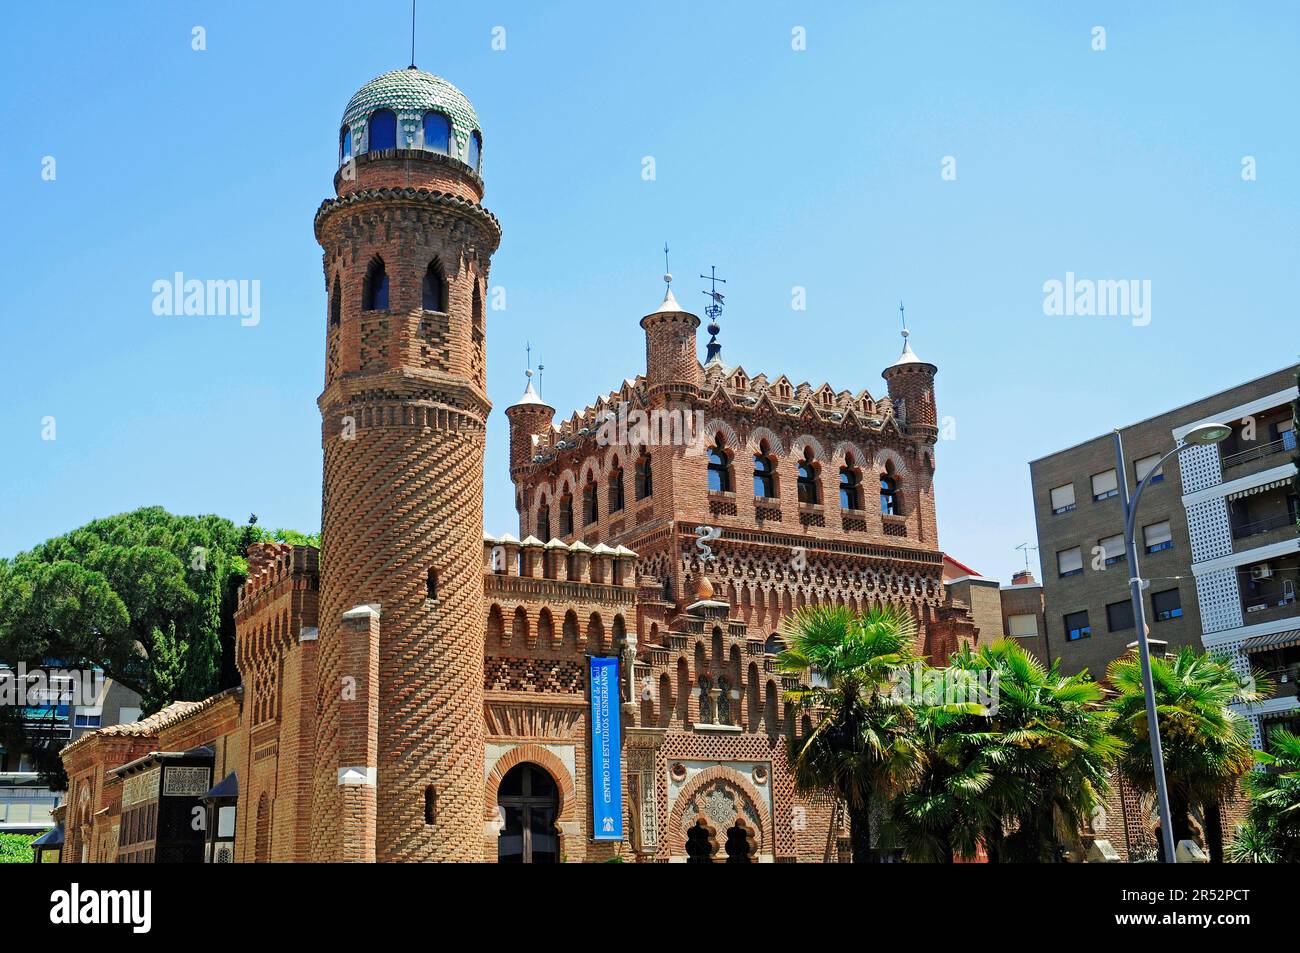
[862, 745]
[1054, 750]
[1271, 833]
[945, 813]
[1020, 776]
[1207, 744]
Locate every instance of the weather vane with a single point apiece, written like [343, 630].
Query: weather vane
[714, 311]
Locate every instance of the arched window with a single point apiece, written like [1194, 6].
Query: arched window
[433, 292]
[383, 130]
[437, 133]
[615, 487]
[738, 850]
[566, 514]
[706, 700]
[719, 467]
[589, 512]
[891, 503]
[544, 522]
[345, 145]
[850, 485]
[699, 846]
[374, 296]
[808, 478]
[773, 645]
[475, 149]
[336, 303]
[764, 473]
[530, 804]
[644, 477]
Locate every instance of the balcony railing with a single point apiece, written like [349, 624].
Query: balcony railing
[1285, 680]
[1263, 526]
[1280, 445]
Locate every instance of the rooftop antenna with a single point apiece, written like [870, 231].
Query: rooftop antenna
[714, 311]
[412, 66]
[1025, 548]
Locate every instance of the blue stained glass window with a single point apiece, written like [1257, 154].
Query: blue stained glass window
[345, 144]
[383, 130]
[475, 147]
[437, 132]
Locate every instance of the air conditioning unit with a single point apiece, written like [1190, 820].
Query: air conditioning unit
[1262, 571]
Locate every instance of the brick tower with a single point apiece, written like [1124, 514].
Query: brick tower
[407, 247]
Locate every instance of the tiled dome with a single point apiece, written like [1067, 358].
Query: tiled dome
[410, 93]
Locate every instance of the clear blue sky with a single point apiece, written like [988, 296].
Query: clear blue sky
[819, 169]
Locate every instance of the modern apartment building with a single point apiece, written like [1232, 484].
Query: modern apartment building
[54, 715]
[1216, 539]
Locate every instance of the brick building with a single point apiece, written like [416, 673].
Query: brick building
[420, 691]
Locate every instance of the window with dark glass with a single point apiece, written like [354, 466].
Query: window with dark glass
[589, 512]
[808, 478]
[383, 130]
[889, 496]
[437, 132]
[764, 473]
[1119, 616]
[719, 467]
[1166, 605]
[431, 584]
[850, 486]
[566, 515]
[345, 144]
[375, 294]
[616, 488]
[336, 303]
[475, 150]
[1076, 626]
[529, 803]
[433, 292]
[644, 475]
[544, 522]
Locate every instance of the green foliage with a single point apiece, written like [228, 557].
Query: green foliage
[147, 596]
[291, 536]
[1206, 743]
[16, 848]
[862, 745]
[1271, 833]
[141, 595]
[1020, 776]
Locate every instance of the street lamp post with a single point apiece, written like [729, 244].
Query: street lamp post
[1203, 435]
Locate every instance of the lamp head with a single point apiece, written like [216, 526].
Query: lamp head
[1208, 434]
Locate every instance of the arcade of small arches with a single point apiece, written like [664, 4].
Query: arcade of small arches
[433, 133]
[576, 502]
[533, 626]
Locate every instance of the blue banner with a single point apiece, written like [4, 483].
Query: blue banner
[606, 760]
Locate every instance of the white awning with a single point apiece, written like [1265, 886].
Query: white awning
[1262, 488]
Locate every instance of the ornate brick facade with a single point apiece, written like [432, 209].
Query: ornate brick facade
[393, 688]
